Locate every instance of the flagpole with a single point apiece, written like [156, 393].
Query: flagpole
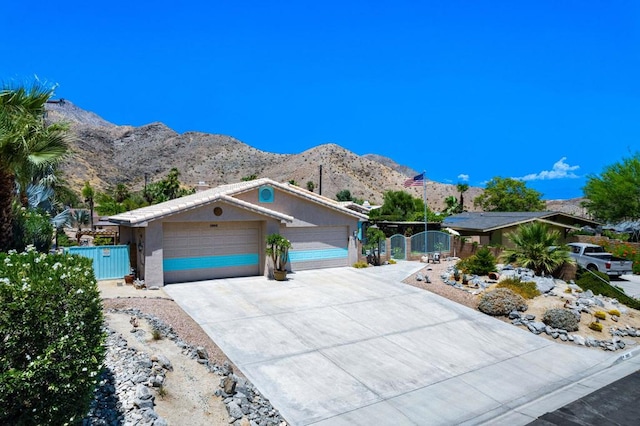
[424, 187]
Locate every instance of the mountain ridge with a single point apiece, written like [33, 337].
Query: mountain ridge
[106, 154]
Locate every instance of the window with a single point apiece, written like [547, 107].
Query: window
[265, 194]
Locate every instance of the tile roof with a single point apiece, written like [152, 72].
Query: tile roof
[225, 193]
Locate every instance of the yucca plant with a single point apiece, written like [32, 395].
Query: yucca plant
[278, 249]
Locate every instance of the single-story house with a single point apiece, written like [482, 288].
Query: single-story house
[221, 232]
[491, 227]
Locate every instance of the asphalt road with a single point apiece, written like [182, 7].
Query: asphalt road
[615, 404]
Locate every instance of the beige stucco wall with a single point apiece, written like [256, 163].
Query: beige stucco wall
[305, 213]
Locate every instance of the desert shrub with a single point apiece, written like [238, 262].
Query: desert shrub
[480, 263]
[527, 289]
[392, 262]
[561, 318]
[156, 334]
[360, 264]
[587, 281]
[51, 326]
[600, 315]
[614, 312]
[595, 326]
[501, 301]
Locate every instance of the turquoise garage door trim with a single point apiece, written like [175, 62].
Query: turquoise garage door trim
[203, 251]
[318, 247]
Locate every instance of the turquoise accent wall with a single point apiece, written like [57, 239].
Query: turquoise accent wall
[207, 262]
[109, 262]
[306, 255]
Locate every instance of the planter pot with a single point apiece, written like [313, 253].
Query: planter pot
[280, 275]
[128, 279]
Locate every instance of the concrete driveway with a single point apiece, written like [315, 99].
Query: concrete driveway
[630, 284]
[357, 347]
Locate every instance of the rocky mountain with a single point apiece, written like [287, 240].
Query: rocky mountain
[106, 154]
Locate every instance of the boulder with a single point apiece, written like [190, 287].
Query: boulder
[579, 340]
[544, 284]
[234, 410]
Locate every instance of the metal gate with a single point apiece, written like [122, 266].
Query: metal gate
[109, 262]
[398, 247]
[434, 241]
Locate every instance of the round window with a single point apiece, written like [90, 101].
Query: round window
[217, 211]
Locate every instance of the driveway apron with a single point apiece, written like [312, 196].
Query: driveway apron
[349, 346]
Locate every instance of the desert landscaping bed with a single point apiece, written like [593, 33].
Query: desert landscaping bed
[624, 327]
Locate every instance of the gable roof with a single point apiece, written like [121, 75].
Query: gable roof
[225, 193]
[491, 221]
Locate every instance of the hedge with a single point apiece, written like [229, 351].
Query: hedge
[52, 338]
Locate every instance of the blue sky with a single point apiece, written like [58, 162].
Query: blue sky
[547, 91]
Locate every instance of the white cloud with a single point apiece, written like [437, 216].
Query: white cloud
[463, 177]
[560, 170]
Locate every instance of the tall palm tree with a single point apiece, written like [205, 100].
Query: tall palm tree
[536, 247]
[462, 188]
[27, 145]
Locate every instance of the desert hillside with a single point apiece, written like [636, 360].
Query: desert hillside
[106, 154]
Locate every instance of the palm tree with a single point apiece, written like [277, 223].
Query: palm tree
[462, 188]
[27, 145]
[452, 205]
[536, 247]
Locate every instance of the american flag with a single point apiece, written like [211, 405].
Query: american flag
[414, 181]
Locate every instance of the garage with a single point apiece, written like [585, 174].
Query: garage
[220, 232]
[318, 247]
[203, 250]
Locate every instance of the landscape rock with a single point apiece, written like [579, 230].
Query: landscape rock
[544, 284]
[118, 401]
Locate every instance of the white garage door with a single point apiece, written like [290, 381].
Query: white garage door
[318, 247]
[202, 251]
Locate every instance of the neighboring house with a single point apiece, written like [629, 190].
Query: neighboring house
[491, 227]
[221, 232]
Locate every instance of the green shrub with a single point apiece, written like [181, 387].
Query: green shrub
[156, 334]
[65, 241]
[32, 227]
[501, 301]
[587, 281]
[480, 263]
[102, 241]
[52, 348]
[614, 312]
[600, 315]
[595, 326]
[360, 264]
[527, 289]
[561, 318]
